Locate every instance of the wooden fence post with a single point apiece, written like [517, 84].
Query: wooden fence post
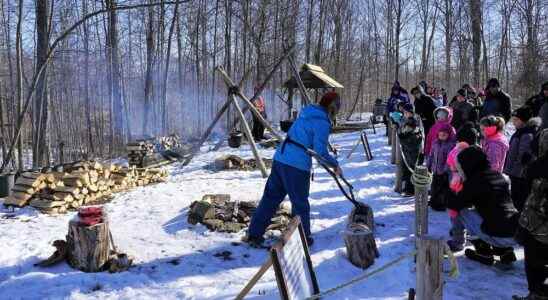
[389, 132]
[421, 205]
[430, 268]
[393, 138]
[398, 186]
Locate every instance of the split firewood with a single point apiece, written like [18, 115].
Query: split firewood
[58, 256]
[68, 189]
[23, 189]
[33, 175]
[17, 199]
[60, 196]
[44, 203]
[73, 181]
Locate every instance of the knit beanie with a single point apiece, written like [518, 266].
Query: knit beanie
[468, 133]
[328, 98]
[409, 107]
[523, 113]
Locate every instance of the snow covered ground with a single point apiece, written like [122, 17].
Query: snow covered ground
[175, 260]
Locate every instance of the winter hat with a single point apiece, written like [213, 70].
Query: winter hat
[446, 127]
[523, 113]
[472, 160]
[493, 82]
[409, 107]
[328, 98]
[468, 133]
[461, 92]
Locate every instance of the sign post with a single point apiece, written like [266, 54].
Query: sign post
[290, 258]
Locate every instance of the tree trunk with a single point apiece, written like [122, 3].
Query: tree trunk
[147, 106]
[475, 21]
[40, 111]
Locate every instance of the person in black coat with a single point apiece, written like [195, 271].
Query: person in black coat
[485, 208]
[424, 107]
[497, 102]
[539, 104]
[535, 244]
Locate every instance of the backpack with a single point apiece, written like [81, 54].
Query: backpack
[534, 217]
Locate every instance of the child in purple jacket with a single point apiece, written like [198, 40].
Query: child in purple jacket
[494, 143]
[436, 163]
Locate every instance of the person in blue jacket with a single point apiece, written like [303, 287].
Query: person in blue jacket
[398, 95]
[290, 173]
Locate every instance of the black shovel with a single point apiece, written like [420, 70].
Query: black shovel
[360, 207]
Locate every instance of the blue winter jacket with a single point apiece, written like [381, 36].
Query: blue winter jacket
[394, 100]
[311, 129]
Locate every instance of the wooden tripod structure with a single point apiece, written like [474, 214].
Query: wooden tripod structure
[233, 92]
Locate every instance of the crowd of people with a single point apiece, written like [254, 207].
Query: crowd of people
[494, 188]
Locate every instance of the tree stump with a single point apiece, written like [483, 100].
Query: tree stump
[361, 247]
[88, 246]
[366, 218]
[359, 239]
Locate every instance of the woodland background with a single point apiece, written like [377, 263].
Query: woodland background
[128, 73]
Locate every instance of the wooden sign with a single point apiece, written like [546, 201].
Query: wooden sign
[292, 264]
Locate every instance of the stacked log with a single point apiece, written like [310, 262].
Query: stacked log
[152, 152]
[25, 187]
[137, 151]
[218, 213]
[234, 162]
[82, 183]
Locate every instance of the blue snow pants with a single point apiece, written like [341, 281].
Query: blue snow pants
[283, 180]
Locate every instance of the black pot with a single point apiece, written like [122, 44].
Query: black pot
[286, 125]
[235, 139]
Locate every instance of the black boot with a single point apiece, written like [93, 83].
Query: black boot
[483, 252]
[531, 296]
[506, 256]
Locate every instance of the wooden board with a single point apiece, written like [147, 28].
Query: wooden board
[292, 264]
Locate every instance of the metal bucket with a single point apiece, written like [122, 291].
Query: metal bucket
[235, 139]
[7, 181]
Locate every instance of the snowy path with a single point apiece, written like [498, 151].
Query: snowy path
[176, 260]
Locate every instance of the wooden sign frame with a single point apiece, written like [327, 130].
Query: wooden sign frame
[293, 241]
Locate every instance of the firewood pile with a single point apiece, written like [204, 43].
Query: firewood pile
[218, 213]
[78, 184]
[152, 152]
[234, 162]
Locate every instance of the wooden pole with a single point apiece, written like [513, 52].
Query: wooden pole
[398, 160]
[228, 81]
[196, 148]
[430, 268]
[258, 93]
[389, 127]
[393, 138]
[255, 279]
[421, 205]
[249, 137]
[300, 83]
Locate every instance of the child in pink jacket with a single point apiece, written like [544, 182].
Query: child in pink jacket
[494, 143]
[443, 116]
